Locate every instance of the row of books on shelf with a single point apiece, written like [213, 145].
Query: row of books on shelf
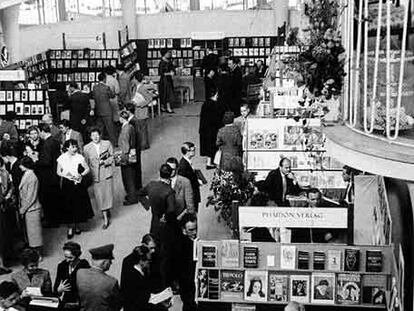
[177, 62]
[23, 109]
[168, 43]
[75, 76]
[282, 49]
[181, 71]
[290, 257]
[24, 124]
[174, 54]
[84, 54]
[22, 95]
[249, 41]
[82, 63]
[250, 52]
[277, 287]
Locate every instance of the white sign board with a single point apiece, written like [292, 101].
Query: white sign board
[293, 217]
[12, 75]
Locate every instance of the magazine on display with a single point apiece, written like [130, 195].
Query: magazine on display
[287, 257]
[373, 261]
[202, 283]
[374, 288]
[351, 261]
[230, 253]
[323, 288]
[255, 285]
[299, 288]
[334, 260]
[213, 285]
[278, 287]
[231, 284]
[209, 256]
[348, 288]
[250, 256]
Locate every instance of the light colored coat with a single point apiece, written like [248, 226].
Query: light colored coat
[184, 197]
[30, 208]
[99, 172]
[40, 279]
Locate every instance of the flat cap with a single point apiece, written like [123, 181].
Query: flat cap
[102, 252]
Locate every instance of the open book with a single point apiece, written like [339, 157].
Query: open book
[161, 297]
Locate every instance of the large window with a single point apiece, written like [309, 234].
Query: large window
[33, 12]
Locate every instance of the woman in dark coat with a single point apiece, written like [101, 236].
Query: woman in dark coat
[136, 281]
[229, 140]
[166, 89]
[210, 122]
[65, 283]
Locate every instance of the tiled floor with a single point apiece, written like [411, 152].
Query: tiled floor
[130, 223]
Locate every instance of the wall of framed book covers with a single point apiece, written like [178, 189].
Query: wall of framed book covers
[29, 105]
[188, 54]
[312, 274]
[81, 66]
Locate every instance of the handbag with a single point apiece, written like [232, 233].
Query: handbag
[217, 157]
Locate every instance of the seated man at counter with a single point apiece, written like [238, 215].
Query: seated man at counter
[281, 182]
[315, 199]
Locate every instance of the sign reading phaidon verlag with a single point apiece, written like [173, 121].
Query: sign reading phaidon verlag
[293, 217]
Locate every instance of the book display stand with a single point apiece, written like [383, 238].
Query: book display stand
[230, 271]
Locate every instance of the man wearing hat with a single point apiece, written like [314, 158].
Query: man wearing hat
[97, 290]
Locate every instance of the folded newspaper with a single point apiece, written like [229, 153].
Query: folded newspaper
[48, 302]
[161, 297]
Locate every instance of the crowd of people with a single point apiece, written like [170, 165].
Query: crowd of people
[45, 176]
[81, 285]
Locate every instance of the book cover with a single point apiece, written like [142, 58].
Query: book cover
[242, 307]
[213, 285]
[231, 284]
[202, 284]
[373, 261]
[255, 285]
[303, 260]
[334, 260]
[373, 289]
[319, 260]
[278, 287]
[299, 288]
[348, 288]
[230, 253]
[251, 256]
[287, 257]
[351, 262]
[208, 256]
[323, 288]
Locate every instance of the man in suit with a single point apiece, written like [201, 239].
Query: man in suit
[164, 226]
[185, 169]
[184, 197]
[69, 133]
[97, 290]
[187, 265]
[126, 143]
[8, 131]
[160, 197]
[124, 84]
[240, 121]
[54, 130]
[79, 107]
[113, 84]
[236, 84]
[102, 108]
[130, 108]
[281, 182]
[45, 168]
